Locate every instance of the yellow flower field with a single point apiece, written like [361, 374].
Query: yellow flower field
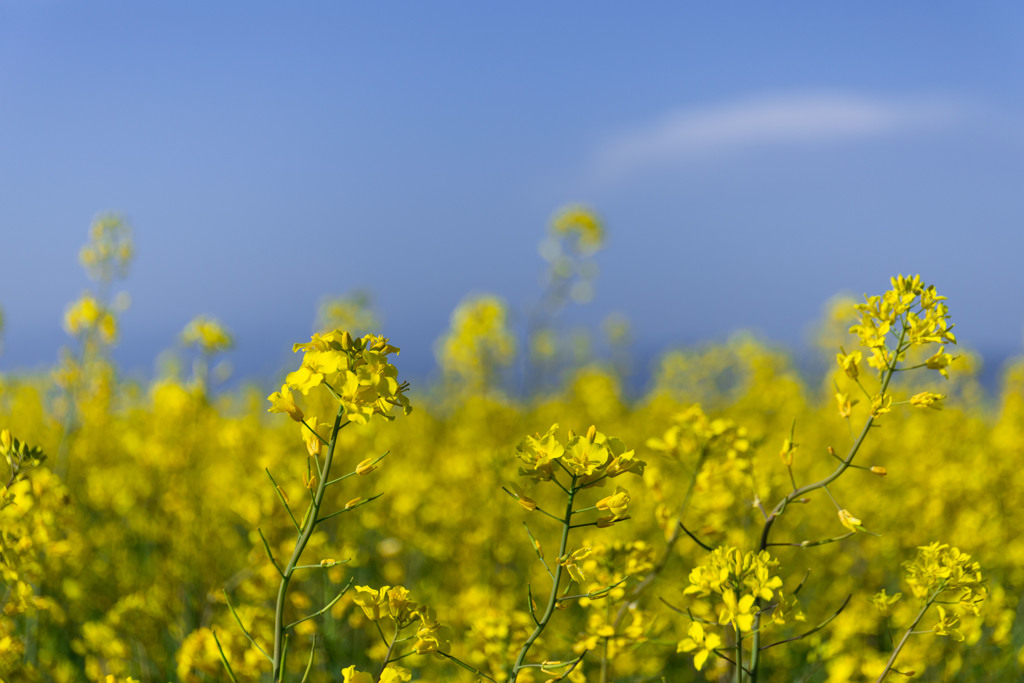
[736, 522]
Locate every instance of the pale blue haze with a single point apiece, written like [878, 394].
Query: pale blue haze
[751, 160]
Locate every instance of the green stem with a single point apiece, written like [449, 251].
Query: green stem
[755, 655]
[906, 636]
[739, 657]
[300, 545]
[553, 597]
[391, 649]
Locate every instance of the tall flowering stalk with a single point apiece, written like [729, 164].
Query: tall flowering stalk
[582, 462]
[942, 575]
[359, 375]
[910, 318]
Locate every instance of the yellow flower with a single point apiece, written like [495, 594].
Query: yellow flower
[849, 521]
[704, 643]
[885, 603]
[946, 626]
[399, 604]
[371, 600]
[787, 452]
[848, 362]
[940, 361]
[571, 563]
[617, 503]
[737, 612]
[282, 402]
[350, 675]
[539, 453]
[845, 404]
[880, 404]
[584, 457]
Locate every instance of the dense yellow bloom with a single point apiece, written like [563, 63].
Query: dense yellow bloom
[588, 457]
[200, 461]
[359, 371]
[938, 568]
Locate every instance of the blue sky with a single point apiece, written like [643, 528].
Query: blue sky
[750, 161]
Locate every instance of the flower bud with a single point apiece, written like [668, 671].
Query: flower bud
[849, 521]
[880, 471]
[365, 467]
[592, 433]
[787, 452]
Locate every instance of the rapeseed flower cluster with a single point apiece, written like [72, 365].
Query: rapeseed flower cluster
[357, 372]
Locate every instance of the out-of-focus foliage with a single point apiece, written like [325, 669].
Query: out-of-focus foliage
[120, 550]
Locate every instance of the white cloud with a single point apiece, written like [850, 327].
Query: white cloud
[783, 120]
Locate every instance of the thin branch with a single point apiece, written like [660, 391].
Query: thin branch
[816, 628]
[695, 539]
[244, 629]
[322, 609]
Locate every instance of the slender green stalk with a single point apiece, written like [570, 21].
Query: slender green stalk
[656, 570]
[309, 524]
[391, 647]
[755, 655]
[553, 597]
[739, 656]
[906, 636]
